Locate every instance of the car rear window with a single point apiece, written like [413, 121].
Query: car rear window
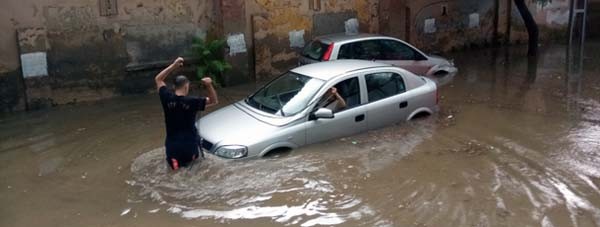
[315, 50]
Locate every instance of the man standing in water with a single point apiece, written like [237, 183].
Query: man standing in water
[180, 115]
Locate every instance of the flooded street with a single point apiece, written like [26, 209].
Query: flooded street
[508, 148]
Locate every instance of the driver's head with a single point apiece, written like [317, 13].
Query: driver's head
[182, 84]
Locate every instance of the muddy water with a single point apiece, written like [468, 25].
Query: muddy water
[509, 148]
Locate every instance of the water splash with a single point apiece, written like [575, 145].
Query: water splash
[294, 189]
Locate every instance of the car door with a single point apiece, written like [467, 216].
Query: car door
[387, 99]
[347, 121]
[399, 54]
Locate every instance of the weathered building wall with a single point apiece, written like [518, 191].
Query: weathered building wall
[279, 29]
[447, 25]
[234, 26]
[552, 18]
[443, 26]
[432, 25]
[88, 54]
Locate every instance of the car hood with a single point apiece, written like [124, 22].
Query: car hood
[232, 126]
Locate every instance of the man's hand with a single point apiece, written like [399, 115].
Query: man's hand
[212, 98]
[178, 62]
[160, 78]
[333, 91]
[341, 102]
[207, 81]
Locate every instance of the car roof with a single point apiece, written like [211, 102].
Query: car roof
[331, 69]
[343, 37]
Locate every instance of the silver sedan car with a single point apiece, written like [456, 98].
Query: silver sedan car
[315, 103]
[376, 48]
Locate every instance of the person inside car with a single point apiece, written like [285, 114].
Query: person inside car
[332, 100]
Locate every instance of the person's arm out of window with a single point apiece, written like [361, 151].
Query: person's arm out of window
[341, 103]
[160, 78]
[212, 99]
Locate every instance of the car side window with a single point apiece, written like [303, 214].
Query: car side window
[347, 51]
[364, 50]
[383, 85]
[394, 50]
[348, 90]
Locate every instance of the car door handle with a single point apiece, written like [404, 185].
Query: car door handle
[403, 105]
[359, 118]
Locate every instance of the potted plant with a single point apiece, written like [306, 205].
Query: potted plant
[210, 56]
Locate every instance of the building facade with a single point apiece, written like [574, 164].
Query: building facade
[55, 52]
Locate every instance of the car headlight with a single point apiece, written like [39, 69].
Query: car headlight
[232, 151]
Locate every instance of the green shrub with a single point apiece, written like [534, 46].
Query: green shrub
[210, 55]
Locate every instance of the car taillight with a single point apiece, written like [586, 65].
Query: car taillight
[327, 54]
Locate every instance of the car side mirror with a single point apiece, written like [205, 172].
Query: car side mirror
[322, 113]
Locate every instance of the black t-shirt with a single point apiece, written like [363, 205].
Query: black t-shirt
[180, 114]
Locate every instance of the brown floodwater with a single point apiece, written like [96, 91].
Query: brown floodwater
[508, 148]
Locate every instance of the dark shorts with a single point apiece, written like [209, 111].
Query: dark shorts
[181, 153]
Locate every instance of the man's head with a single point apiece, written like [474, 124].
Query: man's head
[182, 85]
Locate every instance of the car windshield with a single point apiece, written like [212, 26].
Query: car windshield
[315, 50]
[287, 95]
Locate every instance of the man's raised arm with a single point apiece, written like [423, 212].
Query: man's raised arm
[212, 98]
[160, 78]
[341, 102]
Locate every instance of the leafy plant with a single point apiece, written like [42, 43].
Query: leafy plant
[211, 58]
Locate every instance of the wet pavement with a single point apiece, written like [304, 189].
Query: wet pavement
[509, 148]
